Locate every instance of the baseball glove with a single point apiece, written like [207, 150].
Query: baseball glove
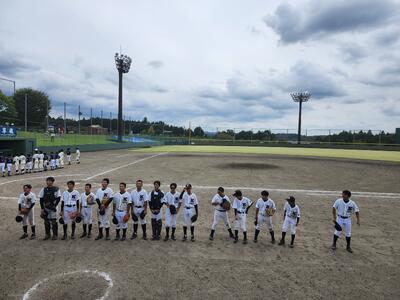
[193, 218]
[270, 212]
[102, 211]
[43, 215]
[338, 227]
[226, 204]
[114, 220]
[61, 221]
[134, 217]
[78, 219]
[126, 218]
[142, 215]
[172, 209]
[18, 219]
[25, 210]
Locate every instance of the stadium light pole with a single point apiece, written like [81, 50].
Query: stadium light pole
[123, 64]
[300, 98]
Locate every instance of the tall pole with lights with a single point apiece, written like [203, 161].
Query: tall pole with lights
[300, 98]
[123, 64]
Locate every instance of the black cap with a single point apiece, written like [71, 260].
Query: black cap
[237, 193]
[264, 193]
[290, 199]
[221, 189]
[50, 179]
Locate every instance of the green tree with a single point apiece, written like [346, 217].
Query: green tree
[198, 131]
[7, 109]
[37, 103]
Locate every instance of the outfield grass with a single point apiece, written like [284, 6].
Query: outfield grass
[393, 156]
[65, 140]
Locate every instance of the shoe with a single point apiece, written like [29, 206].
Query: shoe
[117, 238]
[107, 237]
[255, 241]
[184, 238]
[231, 236]
[244, 242]
[83, 235]
[211, 238]
[134, 236]
[281, 242]
[33, 236]
[123, 238]
[348, 249]
[72, 236]
[64, 237]
[89, 236]
[166, 238]
[98, 237]
[173, 238]
[144, 237]
[24, 236]
[192, 238]
[55, 237]
[236, 240]
[46, 237]
[333, 247]
[273, 242]
[153, 238]
[291, 246]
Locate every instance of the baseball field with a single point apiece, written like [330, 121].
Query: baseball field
[219, 269]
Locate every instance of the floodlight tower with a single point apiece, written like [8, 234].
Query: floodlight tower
[123, 64]
[300, 97]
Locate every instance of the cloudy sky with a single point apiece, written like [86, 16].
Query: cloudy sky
[214, 63]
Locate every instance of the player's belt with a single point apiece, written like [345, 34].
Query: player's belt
[138, 206]
[188, 207]
[120, 210]
[343, 217]
[240, 212]
[85, 206]
[221, 210]
[70, 205]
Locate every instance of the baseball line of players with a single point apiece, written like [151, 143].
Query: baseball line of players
[122, 205]
[38, 162]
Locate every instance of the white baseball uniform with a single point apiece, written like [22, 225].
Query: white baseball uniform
[138, 200]
[16, 163]
[262, 213]
[22, 160]
[219, 212]
[70, 200]
[61, 154]
[78, 155]
[28, 166]
[241, 210]
[291, 215]
[171, 199]
[35, 158]
[121, 202]
[41, 161]
[189, 202]
[87, 202]
[26, 201]
[344, 211]
[103, 196]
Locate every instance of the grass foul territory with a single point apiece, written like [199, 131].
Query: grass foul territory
[393, 156]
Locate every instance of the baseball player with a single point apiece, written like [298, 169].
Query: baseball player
[61, 155]
[241, 206]
[49, 198]
[191, 212]
[41, 161]
[57, 158]
[35, 158]
[9, 163]
[78, 156]
[69, 208]
[52, 161]
[46, 161]
[3, 164]
[156, 201]
[342, 210]
[22, 161]
[87, 202]
[68, 156]
[16, 164]
[171, 199]
[220, 212]
[265, 209]
[104, 197]
[291, 219]
[28, 167]
[140, 201]
[122, 203]
[26, 202]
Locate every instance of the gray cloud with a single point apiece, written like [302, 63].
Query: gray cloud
[352, 53]
[156, 64]
[387, 37]
[317, 18]
[387, 76]
[12, 64]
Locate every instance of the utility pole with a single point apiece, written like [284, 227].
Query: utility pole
[300, 98]
[79, 119]
[101, 118]
[110, 122]
[26, 112]
[65, 117]
[190, 132]
[91, 121]
[47, 115]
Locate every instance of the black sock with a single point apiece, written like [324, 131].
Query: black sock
[135, 227]
[144, 228]
[244, 235]
[33, 229]
[124, 232]
[84, 228]
[236, 233]
[73, 226]
[90, 228]
[212, 232]
[117, 232]
[292, 241]
[25, 229]
[335, 238]
[173, 231]
[348, 240]
[54, 226]
[256, 234]
[101, 231]
[230, 231]
[166, 231]
[192, 230]
[272, 235]
[283, 236]
[65, 227]
[184, 230]
[107, 231]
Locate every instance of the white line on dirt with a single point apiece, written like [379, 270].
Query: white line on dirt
[123, 166]
[104, 275]
[39, 177]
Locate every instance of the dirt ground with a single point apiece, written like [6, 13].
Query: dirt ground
[219, 269]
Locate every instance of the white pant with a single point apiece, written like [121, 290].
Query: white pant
[87, 214]
[29, 219]
[40, 164]
[9, 168]
[53, 163]
[69, 158]
[346, 226]
[67, 212]
[3, 167]
[289, 223]
[264, 219]
[22, 166]
[16, 166]
[157, 216]
[187, 216]
[57, 162]
[104, 220]
[28, 166]
[77, 158]
[170, 219]
[62, 161]
[120, 216]
[240, 222]
[218, 215]
[36, 164]
[137, 211]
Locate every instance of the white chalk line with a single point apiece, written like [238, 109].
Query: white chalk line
[39, 177]
[124, 166]
[104, 275]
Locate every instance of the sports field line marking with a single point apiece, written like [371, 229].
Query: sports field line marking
[104, 275]
[39, 177]
[126, 165]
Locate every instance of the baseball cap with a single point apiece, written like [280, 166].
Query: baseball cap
[237, 193]
[290, 198]
[188, 186]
